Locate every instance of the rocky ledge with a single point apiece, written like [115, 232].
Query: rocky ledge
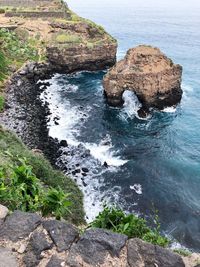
[146, 71]
[28, 240]
[69, 42]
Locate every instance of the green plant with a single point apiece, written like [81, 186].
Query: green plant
[68, 38]
[2, 10]
[3, 66]
[2, 102]
[21, 189]
[56, 202]
[182, 252]
[43, 170]
[115, 219]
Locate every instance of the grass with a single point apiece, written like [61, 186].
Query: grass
[42, 170]
[68, 38]
[183, 252]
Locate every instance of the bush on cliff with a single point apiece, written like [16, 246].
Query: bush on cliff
[115, 219]
[22, 190]
[42, 169]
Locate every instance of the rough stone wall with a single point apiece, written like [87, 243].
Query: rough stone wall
[28, 240]
[23, 3]
[43, 14]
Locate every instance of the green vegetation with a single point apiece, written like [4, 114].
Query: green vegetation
[2, 102]
[182, 252]
[17, 51]
[22, 190]
[3, 65]
[38, 171]
[68, 38]
[115, 219]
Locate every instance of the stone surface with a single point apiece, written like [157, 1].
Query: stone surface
[146, 71]
[19, 225]
[7, 259]
[55, 262]
[39, 243]
[145, 254]
[62, 234]
[82, 57]
[3, 211]
[93, 247]
[30, 259]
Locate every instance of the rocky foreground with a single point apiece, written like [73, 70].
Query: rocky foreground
[146, 71]
[27, 239]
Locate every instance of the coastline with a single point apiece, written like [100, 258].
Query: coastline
[26, 114]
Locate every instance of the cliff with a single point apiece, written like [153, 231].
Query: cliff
[64, 39]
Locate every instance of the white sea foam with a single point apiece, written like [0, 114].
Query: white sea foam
[169, 109]
[69, 119]
[137, 188]
[131, 104]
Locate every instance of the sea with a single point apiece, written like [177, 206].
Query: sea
[145, 166]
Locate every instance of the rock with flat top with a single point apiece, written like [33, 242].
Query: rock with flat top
[147, 72]
[7, 259]
[94, 246]
[19, 225]
[3, 212]
[140, 253]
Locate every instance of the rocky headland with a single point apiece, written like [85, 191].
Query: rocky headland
[146, 71]
[67, 41]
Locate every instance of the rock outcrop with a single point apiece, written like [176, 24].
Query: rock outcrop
[146, 71]
[28, 240]
[69, 42]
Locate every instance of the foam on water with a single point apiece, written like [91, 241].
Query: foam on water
[137, 188]
[131, 105]
[169, 109]
[104, 152]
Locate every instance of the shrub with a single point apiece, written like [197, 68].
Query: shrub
[22, 190]
[43, 171]
[182, 252]
[2, 102]
[2, 11]
[115, 219]
[68, 38]
[3, 66]
[56, 202]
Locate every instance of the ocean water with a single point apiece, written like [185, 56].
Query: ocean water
[153, 164]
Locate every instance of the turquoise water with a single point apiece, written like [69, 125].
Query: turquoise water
[153, 163]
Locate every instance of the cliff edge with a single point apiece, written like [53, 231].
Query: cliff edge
[67, 41]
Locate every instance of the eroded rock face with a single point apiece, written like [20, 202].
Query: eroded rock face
[146, 71]
[82, 57]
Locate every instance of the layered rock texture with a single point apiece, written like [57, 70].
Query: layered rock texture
[67, 41]
[28, 240]
[146, 71]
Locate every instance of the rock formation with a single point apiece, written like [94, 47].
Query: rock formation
[28, 240]
[69, 42]
[146, 71]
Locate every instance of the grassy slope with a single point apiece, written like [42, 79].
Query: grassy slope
[43, 170]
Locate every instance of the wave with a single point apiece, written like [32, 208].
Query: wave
[104, 153]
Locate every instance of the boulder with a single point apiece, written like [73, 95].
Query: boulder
[93, 247]
[3, 212]
[151, 75]
[7, 259]
[62, 234]
[140, 253]
[19, 225]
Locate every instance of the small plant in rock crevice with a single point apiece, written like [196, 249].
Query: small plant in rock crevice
[115, 219]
